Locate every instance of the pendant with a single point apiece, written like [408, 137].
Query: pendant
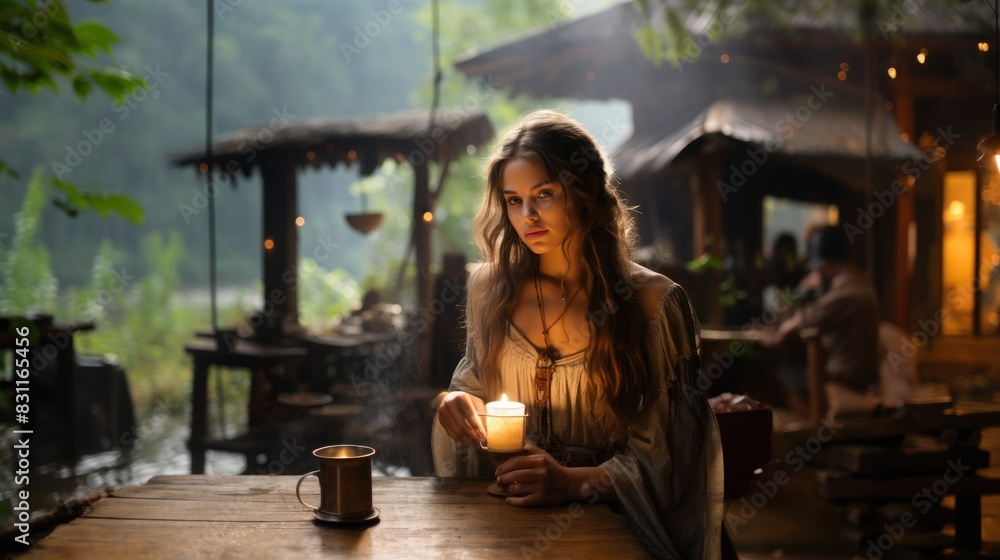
[543, 375]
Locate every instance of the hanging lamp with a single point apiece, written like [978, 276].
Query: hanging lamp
[364, 222]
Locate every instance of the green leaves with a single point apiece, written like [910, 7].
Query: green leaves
[94, 37]
[651, 43]
[81, 87]
[707, 261]
[115, 83]
[38, 45]
[76, 200]
[8, 171]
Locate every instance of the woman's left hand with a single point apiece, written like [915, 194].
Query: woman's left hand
[536, 479]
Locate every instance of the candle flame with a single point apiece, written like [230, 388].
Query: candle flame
[503, 398]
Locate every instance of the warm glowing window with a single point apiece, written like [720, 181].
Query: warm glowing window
[958, 251]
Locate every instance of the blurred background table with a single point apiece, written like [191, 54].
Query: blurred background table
[51, 341]
[258, 359]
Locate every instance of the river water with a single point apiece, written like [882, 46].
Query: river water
[161, 448]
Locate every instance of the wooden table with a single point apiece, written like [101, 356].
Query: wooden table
[199, 516]
[342, 351]
[52, 341]
[256, 358]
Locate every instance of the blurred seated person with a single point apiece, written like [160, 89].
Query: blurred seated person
[783, 269]
[811, 284]
[846, 314]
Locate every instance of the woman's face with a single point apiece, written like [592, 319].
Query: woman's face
[536, 205]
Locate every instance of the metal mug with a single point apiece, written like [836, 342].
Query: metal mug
[345, 480]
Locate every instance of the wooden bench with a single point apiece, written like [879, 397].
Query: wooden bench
[906, 464]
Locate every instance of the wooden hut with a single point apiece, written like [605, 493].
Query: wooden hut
[279, 148]
[783, 110]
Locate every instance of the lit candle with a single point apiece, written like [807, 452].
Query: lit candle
[504, 426]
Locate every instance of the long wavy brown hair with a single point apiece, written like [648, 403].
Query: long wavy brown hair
[617, 375]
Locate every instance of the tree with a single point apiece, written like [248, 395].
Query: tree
[40, 45]
[667, 37]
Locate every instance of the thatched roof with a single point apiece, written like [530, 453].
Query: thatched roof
[366, 141]
[832, 132]
[571, 49]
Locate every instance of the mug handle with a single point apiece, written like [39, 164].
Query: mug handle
[299, 485]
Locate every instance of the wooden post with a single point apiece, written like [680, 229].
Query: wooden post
[66, 358]
[280, 261]
[899, 278]
[968, 522]
[422, 234]
[897, 287]
[707, 224]
[708, 208]
[817, 375]
[199, 413]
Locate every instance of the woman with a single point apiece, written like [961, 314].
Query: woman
[603, 351]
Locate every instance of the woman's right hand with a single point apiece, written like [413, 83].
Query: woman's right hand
[459, 418]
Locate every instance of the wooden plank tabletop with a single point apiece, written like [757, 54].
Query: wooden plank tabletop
[202, 516]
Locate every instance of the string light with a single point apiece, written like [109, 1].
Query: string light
[892, 72]
[989, 148]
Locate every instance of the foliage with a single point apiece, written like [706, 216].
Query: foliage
[27, 280]
[265, 60]
[38, 45]
[324, 294]
[714, 286]
[41, 44]
[103, 203]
